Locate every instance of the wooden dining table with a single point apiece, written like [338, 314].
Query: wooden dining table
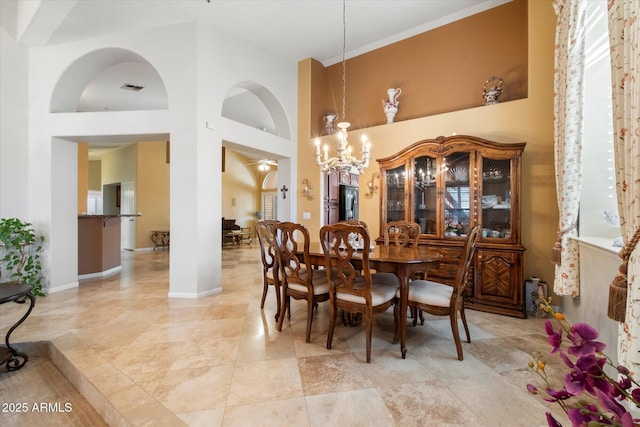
[401, 261]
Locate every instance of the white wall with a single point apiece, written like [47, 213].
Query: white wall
[13, 124]
[198, 67]
[599, 264]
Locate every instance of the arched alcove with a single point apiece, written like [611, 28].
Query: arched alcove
[254, 105]
[109, 79]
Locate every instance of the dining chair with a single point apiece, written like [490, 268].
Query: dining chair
[355, 222]
[300, 280]
[445, 300]
[351, 285]
[268, 248]
[402, 233]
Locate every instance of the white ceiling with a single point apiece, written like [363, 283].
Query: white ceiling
[294, 29]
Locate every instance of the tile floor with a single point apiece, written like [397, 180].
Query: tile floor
[142, 359]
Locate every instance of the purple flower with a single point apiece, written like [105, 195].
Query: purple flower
[576, 382]
[583, 335]
[623, 369]
[585, 360]
[581, 417]
[621, 414]
[624, 383]
[556, 395]
[552, 422]
[592, 367]
[585, 375]
[554, 338]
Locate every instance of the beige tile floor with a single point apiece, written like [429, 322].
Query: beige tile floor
[140, 358]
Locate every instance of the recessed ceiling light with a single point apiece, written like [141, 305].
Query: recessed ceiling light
[129, 86]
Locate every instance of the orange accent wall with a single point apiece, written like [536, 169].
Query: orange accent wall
[83, 176]
[152, 191]
[439, 71]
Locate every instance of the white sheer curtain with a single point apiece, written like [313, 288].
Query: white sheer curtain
[624, 36]
[568, 112]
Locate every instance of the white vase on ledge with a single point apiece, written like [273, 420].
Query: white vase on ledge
[390, 106]
[328, 123]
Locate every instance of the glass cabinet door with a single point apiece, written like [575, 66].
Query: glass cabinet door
[425, 193]
[496, 198]
[457, 205]
[395, 194]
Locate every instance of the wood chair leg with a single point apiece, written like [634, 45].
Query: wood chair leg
[278, 301]
[396, 316]
[464, 323]
[369, 330]
[332, 324]
[456, 334]
[310, 305]
[414, 315]
[283, 313]
[265, 289]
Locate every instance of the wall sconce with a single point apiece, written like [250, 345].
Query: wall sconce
[373, 188]
[284, 190]
[307, 189]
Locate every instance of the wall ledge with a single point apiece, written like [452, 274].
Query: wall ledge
[605, 244]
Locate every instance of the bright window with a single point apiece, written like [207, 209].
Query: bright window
[598, 167]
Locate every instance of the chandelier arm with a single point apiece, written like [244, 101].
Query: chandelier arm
[345, 162]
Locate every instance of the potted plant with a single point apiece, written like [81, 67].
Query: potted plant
[21, 248]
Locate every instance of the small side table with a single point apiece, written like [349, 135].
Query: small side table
[18, 293]
[160, 239]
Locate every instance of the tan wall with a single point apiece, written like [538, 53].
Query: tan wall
[83, 176]
[529, 120]
[95, 175]
[152, 191]
[439, 71]
[119, 165]
[241, 182]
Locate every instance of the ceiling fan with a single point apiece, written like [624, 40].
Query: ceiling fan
[264, 164]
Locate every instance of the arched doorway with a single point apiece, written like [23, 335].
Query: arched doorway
[104, 82]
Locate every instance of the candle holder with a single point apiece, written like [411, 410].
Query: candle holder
[371, 185]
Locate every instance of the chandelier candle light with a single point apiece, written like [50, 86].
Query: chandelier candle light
[345, 162]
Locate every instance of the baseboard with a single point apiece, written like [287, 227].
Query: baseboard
[195, 295]
[61, 288]
[100, 273]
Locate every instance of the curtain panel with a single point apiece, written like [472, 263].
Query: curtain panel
[568, 117]
[624, 38]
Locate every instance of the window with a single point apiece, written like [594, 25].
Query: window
[598, 166]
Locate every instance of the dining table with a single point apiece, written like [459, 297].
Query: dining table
[401, 261]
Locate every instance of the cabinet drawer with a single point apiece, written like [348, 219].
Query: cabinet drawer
[448, 267]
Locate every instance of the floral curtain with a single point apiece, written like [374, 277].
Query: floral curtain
[624, 37]
[568, 111]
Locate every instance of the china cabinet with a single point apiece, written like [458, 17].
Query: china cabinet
[450, 184]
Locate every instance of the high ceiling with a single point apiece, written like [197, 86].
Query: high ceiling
[294, 29]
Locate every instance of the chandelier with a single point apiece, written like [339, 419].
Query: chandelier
[346, 161]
